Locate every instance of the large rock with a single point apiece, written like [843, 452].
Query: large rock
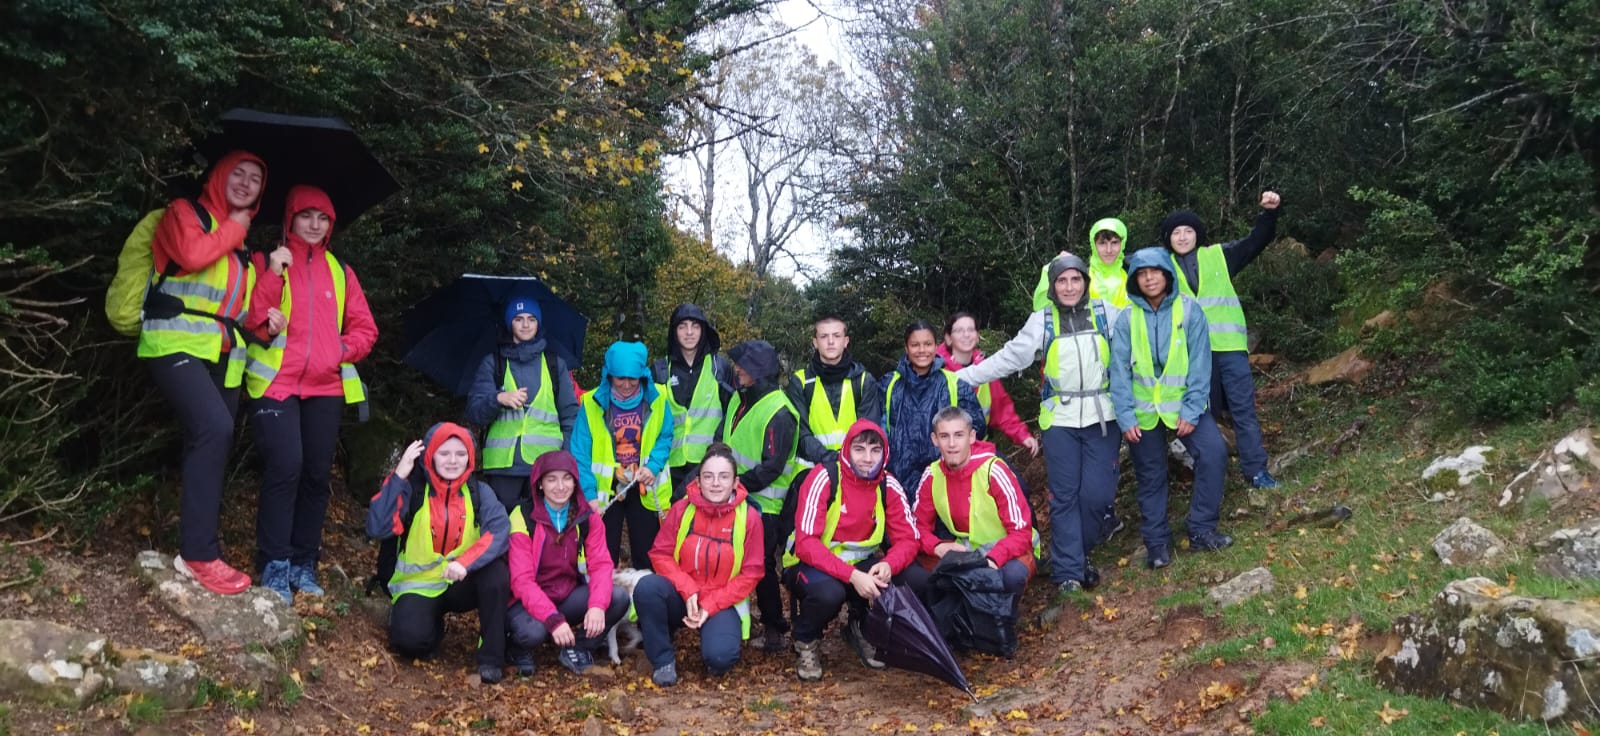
[42, 660]
[1571, 553]
[1459, 470]
[1571, 468]
[1466, 543]
[1528, 658]
[169, 679]
[1244, 586]
[1348, 366]
[256, 616]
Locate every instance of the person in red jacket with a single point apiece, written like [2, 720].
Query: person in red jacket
[555, 545]
[959, 350]
[970, 500]
[708, 559]
[846, 511]
[311, 308]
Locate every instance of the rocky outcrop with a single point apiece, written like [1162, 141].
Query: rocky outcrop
[169, 679]
[1243, 587]
[1454, 471]
[1569, 469]
[257, 616]
[46, 661]
[1348, 367]
[1466, 543]
[1571, 553]
[1528, 658]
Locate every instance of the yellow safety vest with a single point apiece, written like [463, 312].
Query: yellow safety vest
[206, 290]
[537, 427]
[263, 363]
[850, 552]
[1217, 298]
[827, 426]
[420, 570]
[984, 526]
[603, 451]
[739, 536]
[745, 437]
[1159, 398]
[694, 427]
[1052, 394]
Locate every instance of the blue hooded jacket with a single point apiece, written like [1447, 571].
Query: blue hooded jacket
[914, 402]
[623, 360]
[1158, 322]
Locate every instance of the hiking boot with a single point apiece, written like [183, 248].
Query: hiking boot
[772, 640]
[863, 648]
[1157, 557]
[304, 579]
[575, 659]
[275, 577]
[1091, 576]
[1209, 541]
[523, 661]
[808, 663]
[490, 674]
[215, 576]
[666, 675]
[1264, 481]
[1068, 588]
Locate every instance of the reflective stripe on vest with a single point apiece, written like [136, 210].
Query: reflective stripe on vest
[1053, 391]
[536, 427]
[1217, 298]
[739, 536]
[1158, 399]
[694, 426]
[419, 570]
[984, 526]
[603, 451]
[263, 363]
[850, 552]
[207, 290]
[888, 396]
[827, 426]
[745, 436]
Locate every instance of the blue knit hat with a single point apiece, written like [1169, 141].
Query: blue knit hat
[522, 305]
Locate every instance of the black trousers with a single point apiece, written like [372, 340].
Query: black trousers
[526, 633]
[206, 411]
[512, 490]
[643, 524]
[818, 596]
[295, 438]
[769, 595]
[416, 622]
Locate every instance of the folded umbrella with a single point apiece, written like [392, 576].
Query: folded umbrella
[905, 636]
[449, 332]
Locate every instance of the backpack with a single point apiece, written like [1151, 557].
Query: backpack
[125, 299]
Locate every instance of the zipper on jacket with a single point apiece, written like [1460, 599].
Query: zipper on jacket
[311, 313]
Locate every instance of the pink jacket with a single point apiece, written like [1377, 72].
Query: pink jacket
[544, 562]
[1002, 412]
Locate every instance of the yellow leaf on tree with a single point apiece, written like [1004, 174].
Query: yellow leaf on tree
[483, 148]
[521, 145]
[516, 185]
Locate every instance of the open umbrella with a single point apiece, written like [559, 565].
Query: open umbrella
[322, 152]
[448, 333]
[906, 637]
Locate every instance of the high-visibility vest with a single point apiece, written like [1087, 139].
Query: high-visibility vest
[984, 526]
[740, 534]
[1053, 393]
[208, 291]
[1158, 398]
[694, 427]
[850, 552]
[263, 363]
[1224, 314]
[419, 570]
[827, 426]
[536, 426]
[985, 400]
[603, 451]
[746, 434]
[888, 396]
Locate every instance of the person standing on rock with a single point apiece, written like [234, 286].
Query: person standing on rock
[453, 534]
[1205, 273]
[1160, 380]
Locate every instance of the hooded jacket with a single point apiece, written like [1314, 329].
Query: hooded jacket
[760, 360]
[183, 239]
[625, 360]
[314, 344]
[908, 414]
[680, 376]
[858, 498]
[400, 498]
[1015, 514]
[1238, 253]
[868, 398]
[707, 564]
[544, 560]
[1078, 360]
[525, 359]
[1002, 411]
[1158, 325]
[1107, 282]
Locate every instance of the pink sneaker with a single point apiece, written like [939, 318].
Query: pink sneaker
[216, 576]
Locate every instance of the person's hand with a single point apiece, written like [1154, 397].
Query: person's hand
[646, 478]
[279, 259]
[408, 459]
[865, 585]
[240, 216]
[594, 505]
[882, 572]
[992, 565]
[1270, 200]
[563, 635]
[943, 548]
[276, 321]
[513, 399]
[1132, 435]
[1184, 428]
[455, 572]
[697, 615]
[1032, 443]
[594, 622]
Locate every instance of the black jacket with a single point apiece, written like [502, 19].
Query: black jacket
[868, 398]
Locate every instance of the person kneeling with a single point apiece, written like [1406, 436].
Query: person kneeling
[554, 544]
[708, 561]
[845, 507]
[452, 534]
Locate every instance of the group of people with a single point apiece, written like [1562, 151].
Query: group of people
[733, 481]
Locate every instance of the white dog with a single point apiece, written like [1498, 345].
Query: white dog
[623, 579]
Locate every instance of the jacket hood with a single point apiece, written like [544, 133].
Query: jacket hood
[626, 360]
[1099, 270]
[1155, 257]
[436, 436]
[548, 463]
[214, 193]
[692, 492]
[710, 341]
[1061, 264]
[909, 374]
[948, 355]
[1179, 219]
[756, 357]
[304, 197]
[860, 427]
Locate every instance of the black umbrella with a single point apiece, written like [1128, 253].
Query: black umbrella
[906, 637]
[322, 152]
[448, 333]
